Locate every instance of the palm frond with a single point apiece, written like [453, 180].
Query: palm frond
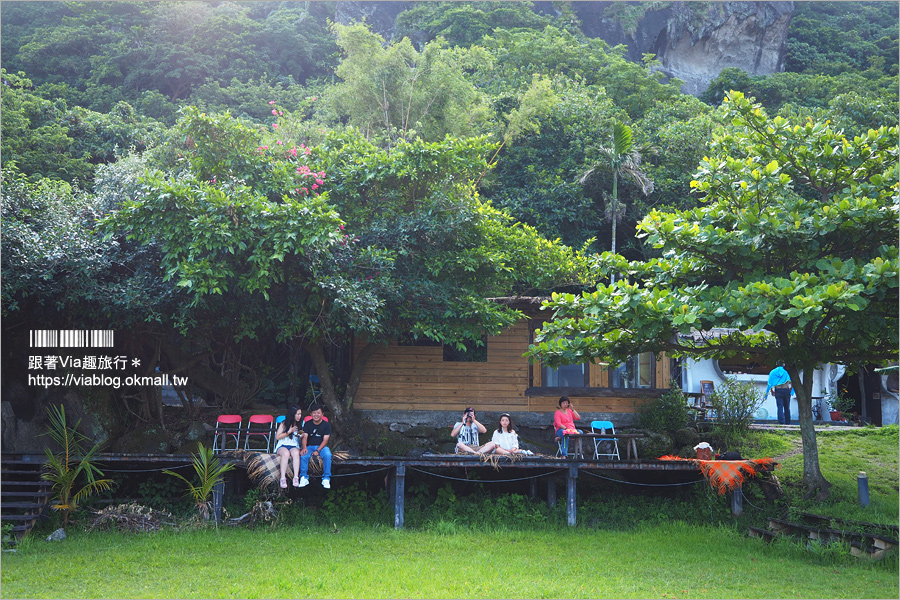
[91, 488]
[622, 140]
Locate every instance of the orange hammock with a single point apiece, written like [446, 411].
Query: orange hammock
[728, 475]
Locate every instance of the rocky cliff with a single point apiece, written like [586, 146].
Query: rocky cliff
[694, 41]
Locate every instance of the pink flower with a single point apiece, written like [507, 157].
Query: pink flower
[280, 113]
[271, 102]
[294, 152]
[314, 98]
[319, 181]
[274, 112]
[278, 142]
[307, 151]
[274, 125]
[315, 187]
[342, 227]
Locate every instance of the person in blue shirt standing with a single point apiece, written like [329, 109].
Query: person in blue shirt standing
[780, 386]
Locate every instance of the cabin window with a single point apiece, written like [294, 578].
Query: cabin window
[636, 372]
[473, 352]
[565, 376]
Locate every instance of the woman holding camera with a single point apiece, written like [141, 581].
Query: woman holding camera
[466, 432]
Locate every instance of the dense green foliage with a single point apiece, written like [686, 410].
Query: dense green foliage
[834, 37]
[665, 414]
[271, 181]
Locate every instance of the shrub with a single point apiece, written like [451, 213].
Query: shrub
[665, 414]
[735, 403]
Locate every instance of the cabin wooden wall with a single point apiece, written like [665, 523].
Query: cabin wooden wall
[417, 378]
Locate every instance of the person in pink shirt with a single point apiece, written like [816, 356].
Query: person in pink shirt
[564, 421]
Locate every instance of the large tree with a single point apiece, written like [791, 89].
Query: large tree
[794, 251]
[270, 238]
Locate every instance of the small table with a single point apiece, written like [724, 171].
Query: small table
[699, 411]
[630, 446]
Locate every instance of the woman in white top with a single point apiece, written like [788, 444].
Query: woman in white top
[505, 439]
[287, 444]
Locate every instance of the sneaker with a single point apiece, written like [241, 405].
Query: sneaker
[283, 482]
[296, 482]
[326, 483]
[303, 482]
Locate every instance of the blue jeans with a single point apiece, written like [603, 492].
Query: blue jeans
[564, 439]
[783, 402]
[325, 453]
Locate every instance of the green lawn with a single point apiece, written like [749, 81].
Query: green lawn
[661, 544]
[665, 561]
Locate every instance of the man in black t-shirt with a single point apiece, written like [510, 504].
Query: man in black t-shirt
[316, 432]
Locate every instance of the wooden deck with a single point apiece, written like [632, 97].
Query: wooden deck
[531, 468]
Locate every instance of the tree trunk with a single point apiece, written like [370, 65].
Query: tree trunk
[861, 378]
[816, 484]
[615, 215]
[341, 409]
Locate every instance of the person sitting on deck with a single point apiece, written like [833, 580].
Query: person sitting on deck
[316, 433]
[564, 421]
[287, 444]
[505, 440]
[466, 432]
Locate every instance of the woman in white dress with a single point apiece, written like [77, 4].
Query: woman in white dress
[505, 439]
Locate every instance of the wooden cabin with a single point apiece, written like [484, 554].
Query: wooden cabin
[420, 375]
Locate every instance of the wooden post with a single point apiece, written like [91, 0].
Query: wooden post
[570, 494]
[862, 485]
[218, 494]
[551, 491]
[390, 483]
[737, 502]
[399, 481]
[532, 488]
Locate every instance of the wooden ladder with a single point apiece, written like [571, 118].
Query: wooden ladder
[24, 496]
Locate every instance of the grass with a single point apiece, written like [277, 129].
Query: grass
[666, 544]
[843, 453]
[668, 560]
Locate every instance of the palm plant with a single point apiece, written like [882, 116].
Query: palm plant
[622, 159]
[209, 470]
[71, 466]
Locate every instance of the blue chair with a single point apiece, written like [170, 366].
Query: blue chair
[605, 428]
[316, 387]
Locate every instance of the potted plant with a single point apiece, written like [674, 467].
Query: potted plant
[841, 405]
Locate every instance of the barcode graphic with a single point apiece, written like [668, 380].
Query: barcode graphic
[71, 338]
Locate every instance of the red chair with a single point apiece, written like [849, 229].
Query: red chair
[227, 425]
[266, 423]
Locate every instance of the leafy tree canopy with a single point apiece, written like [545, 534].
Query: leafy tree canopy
[793, 253]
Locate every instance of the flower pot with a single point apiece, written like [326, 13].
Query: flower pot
[836, 415]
